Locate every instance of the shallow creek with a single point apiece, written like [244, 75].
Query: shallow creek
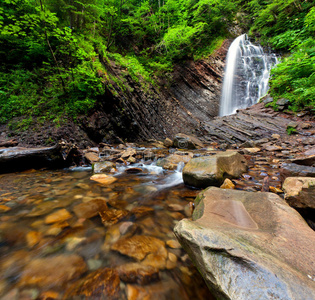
[52, 246]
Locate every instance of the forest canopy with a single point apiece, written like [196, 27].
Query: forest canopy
[55, 54]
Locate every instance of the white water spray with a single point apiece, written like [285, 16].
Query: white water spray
[246, 75]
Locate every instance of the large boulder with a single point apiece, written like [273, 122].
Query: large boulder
[250, 246]
[19, 159]
[300, 191]
[292, 169]
[185, 141]
[204, 171]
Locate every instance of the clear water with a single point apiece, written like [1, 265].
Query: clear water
[246, 75]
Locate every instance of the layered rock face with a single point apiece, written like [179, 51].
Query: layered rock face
[250, 245]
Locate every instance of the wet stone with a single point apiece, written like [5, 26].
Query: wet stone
[103, 179]
[139, 246]
[89, 209]
[52, 271]
[58, 216]
[138, 273]
[112, 216]
[100, 284]
[141, 211]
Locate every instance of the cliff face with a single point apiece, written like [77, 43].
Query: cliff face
[132, 112]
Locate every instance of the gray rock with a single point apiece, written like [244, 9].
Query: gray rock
[212, 170]
[185, 141]
[282, 103]
[291, 170]
[250, 246]
[103, 167]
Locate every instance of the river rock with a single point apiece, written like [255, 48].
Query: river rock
[185, 141]
[290, 170]
[139, 246]
[18, 158]
[89, 209]
[250, 246]
[91, 157]
[53, 271]
[103, 167]
[58, 216]
[138, 273]
[204, 171]
[171, 162]
[112, 216]
[104, 179]
[168, 143]
[308, 160]
[100, 284]
[300, 192]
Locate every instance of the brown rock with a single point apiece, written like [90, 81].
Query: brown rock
[168, 143]
[138, 273]
[133, 170]
[141, 211]
[300, 192]
[139, 246]
[4, 208]
[128, 152]
[227, 184]
[100, 284]
[171, 261]
[89, 209]
[52, 271]
[103, 167]
[112, 216]
[173, 244]
[58, 216]
[171, 161]
[91, 157]
[103, 179]
[32, 238]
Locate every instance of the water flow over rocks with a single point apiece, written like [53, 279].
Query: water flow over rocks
[246, 75]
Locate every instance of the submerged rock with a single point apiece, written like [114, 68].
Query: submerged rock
[250, 246]
[212, 170]
[138, 273]
[54, 271]
[100, 284]
[300, 192]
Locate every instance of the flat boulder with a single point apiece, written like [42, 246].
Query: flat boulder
[205, 171]
[18, 159]
[250, 245]
[185, 141]
[300, 192]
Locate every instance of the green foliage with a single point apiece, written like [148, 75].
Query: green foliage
[291, 130]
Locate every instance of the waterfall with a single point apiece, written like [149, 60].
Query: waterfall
[246, 75]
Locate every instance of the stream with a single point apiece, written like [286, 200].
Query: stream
[53, 246]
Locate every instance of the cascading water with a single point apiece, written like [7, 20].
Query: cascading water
[246, 75]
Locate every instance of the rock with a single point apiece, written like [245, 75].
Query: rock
[104, 179]
[251, 150]
[58, 216]
[89, 209]
[290, 170]
[305, 160]
[244, 253]
[282, 103]
[171, 162]
[212, 170]
[112, 216]
[91, 157]
[133, 170]
[305, 125]
[300, 192]
[138, 273]
[103, 167]
[171, 261]
[168, 143]
[173, 244]
[266, 99]
[139, 246]
[141, 211]
[33, 238]
[227, 184]
[276, 136]
[128, 152]
[53, 271]
[19, 159]
[4, 208]
[184, 141]
[100, 284]
[292, 124]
